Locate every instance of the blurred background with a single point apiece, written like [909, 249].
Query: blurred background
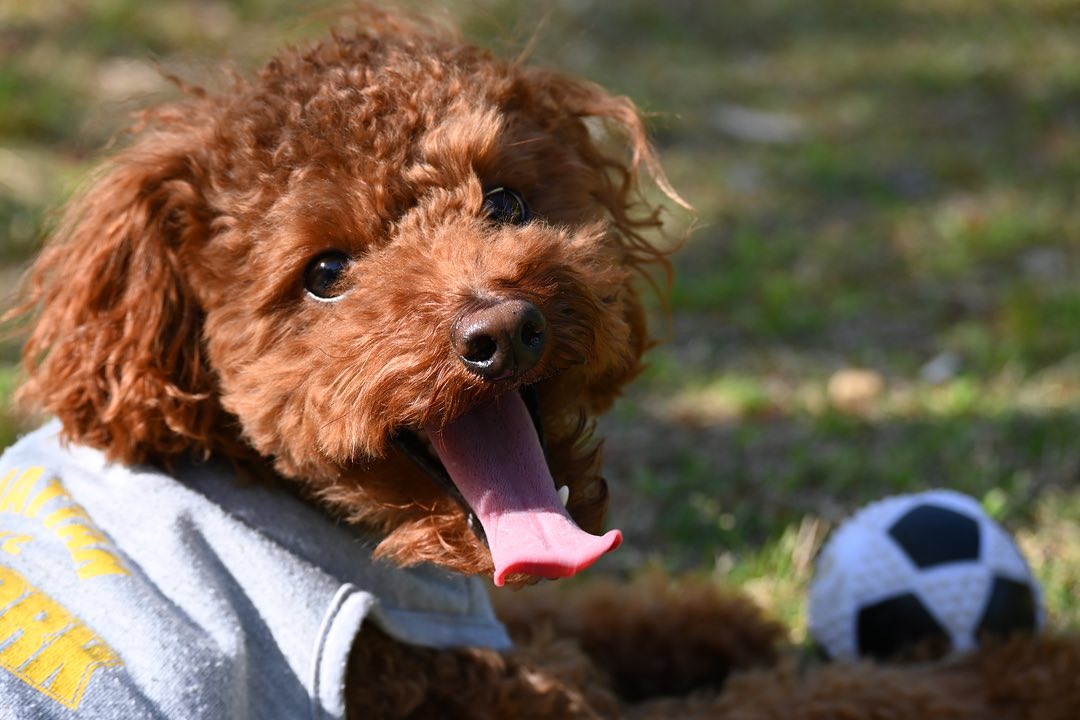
[882, 293]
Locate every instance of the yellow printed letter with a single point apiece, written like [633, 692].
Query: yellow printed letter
[44, 645]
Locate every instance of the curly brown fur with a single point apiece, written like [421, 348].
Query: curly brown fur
[1022, 678]
[545, 678]
[656, 636]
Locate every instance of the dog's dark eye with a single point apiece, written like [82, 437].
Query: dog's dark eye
[322, 278]
[504, 205]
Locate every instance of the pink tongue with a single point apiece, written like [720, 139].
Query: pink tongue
[493, 455]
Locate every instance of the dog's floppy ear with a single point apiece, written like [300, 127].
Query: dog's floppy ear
[114, 350]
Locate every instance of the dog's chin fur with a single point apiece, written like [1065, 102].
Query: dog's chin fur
[171, 311]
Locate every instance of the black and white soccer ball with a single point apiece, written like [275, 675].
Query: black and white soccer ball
[929, 568]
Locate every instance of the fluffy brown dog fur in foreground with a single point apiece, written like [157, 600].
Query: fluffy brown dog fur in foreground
[391, 240]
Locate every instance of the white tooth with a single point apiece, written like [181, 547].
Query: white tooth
[564, 494]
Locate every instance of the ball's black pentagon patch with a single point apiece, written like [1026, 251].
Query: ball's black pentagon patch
[933, 535]
[898, 623]
[1010, 608]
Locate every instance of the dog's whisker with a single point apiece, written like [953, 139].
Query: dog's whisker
[526, 141]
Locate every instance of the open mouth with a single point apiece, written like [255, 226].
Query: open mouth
[492, 461]
[416, 445]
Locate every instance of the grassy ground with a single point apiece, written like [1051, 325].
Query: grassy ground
[882, 294]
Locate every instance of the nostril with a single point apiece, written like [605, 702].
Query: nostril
[480, 349]
[532, 336]
[533, 329]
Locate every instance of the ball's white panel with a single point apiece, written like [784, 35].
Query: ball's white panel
[831, 616]
[881, 514]
[956, 595]
[1002, 555]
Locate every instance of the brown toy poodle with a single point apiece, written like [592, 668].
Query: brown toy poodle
[392, 278]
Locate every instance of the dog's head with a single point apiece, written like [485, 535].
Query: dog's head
[391, 267]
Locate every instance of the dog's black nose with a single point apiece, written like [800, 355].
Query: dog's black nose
[502, 340]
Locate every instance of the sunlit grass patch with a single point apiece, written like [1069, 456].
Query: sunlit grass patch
[865, 394]
[1052, 545]
[1014, 226]
[778, 575]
